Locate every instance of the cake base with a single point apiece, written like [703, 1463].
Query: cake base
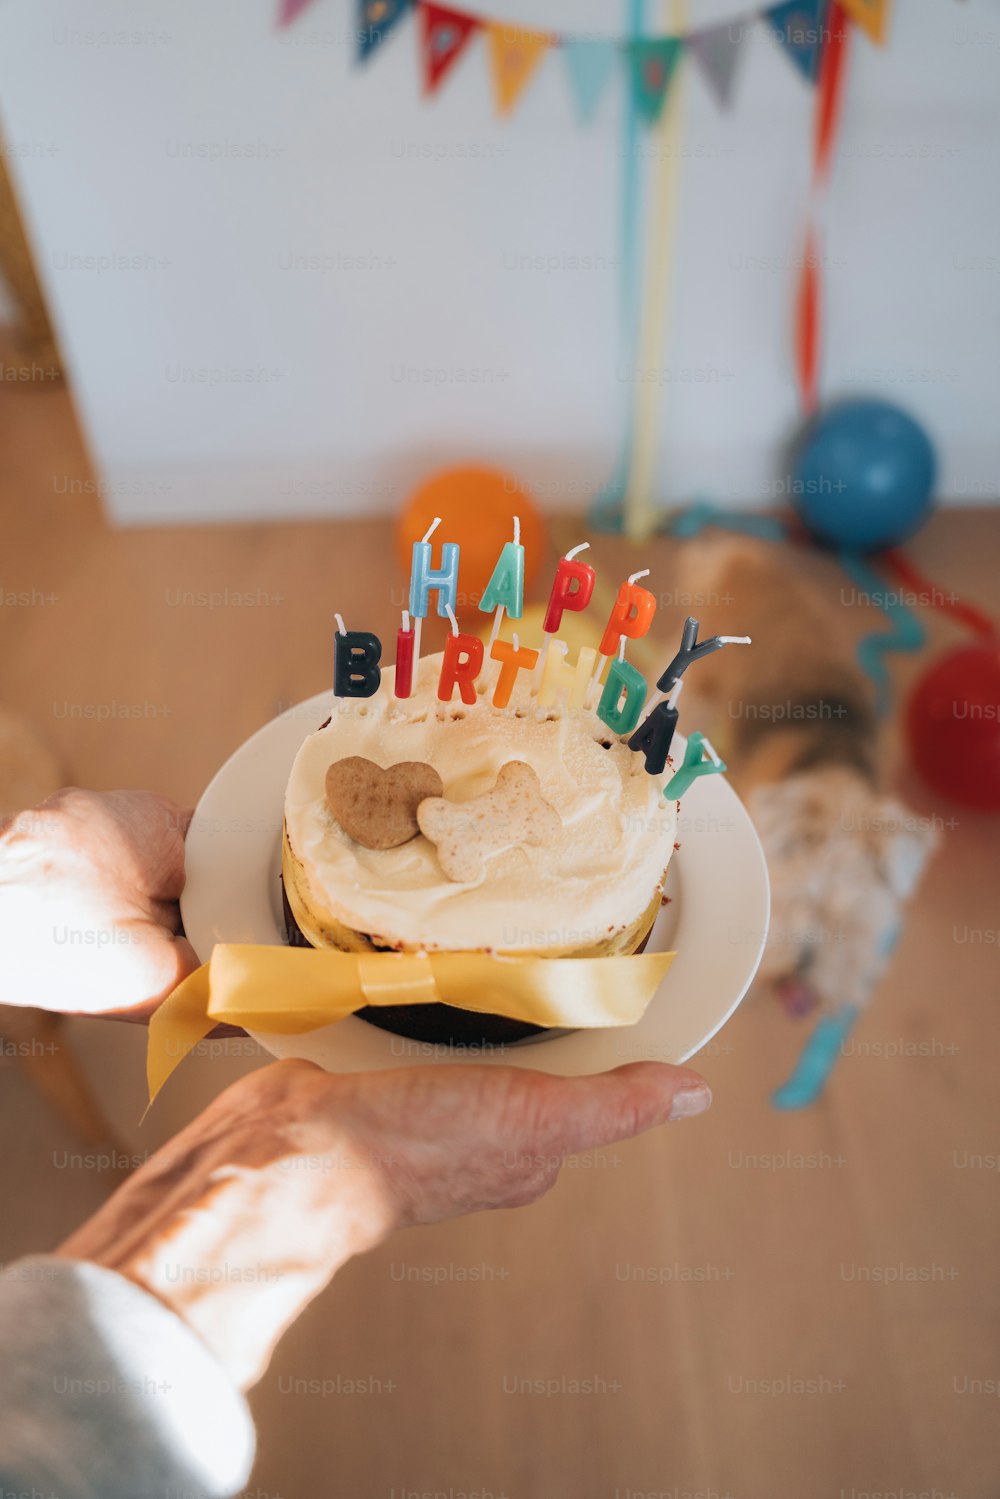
[435, 1024]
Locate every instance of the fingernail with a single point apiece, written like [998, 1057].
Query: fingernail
[690, 1101]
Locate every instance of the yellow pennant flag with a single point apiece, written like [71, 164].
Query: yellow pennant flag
[514, 56]
[871, 15]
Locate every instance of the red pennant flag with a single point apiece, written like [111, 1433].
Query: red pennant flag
[290, 10]
[443, 35]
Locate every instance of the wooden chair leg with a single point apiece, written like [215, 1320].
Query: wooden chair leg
[35, 1039]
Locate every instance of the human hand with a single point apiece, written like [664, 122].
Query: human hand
[293, 1170]
[89, 921]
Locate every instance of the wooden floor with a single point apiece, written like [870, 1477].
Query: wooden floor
[766, 1304]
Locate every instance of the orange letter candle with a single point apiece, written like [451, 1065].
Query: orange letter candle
[513, 659]
[631, 616]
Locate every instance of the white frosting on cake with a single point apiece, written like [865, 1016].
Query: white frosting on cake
[594, 879]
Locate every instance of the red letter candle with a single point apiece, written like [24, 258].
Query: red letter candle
[513, 660]
[403, 681]
[571, 589]
[463, 661]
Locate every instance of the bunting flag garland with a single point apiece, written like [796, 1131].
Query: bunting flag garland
[652, 62]
[589, 64]
[376, 18]
[717, 52]
[514, 56]
[443, 35]
[871, 15]
[812, 34]
[798, 25]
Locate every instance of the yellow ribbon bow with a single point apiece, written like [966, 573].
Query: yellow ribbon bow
[288, 990]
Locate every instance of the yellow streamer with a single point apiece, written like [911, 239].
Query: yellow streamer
[639, 510]
[289, 990]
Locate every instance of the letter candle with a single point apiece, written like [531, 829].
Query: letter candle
[559, 677]
[512, 660]
[356, 672]
[405, 640]
[565, 595]
[623, 696]
[463, 659]
[423, 578]
[505, 590]
[700, 759]
[631, 616]
[656, 733]
[691, 651]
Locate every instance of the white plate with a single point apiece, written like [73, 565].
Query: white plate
[716, 920]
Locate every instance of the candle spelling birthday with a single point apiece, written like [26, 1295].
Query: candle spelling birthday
[356, 670]
[624, 695]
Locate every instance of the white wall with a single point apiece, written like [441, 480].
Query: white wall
[523, 364]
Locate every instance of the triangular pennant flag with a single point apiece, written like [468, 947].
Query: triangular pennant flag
[290, 9]
[717, 51]
[376, 18]
[443, 35]
[652, 64]
[514, 56]
[589, 61]
[871, 15]
[797, 26]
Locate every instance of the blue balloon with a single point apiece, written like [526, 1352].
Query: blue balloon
[863, 476]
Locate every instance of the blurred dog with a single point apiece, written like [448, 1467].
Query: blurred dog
[794, 716]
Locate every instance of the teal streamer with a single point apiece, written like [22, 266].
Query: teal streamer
[906, 634]
[816, 1061]
[702, 513]
[606, 510]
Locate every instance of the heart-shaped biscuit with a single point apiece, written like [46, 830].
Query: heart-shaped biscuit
[376, 807]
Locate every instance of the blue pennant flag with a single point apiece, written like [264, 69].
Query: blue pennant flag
[589, 61]
[376, 18]
[798, 26]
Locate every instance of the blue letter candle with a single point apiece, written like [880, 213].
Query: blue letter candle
[423, 577]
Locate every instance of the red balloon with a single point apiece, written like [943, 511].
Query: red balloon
[953, 724]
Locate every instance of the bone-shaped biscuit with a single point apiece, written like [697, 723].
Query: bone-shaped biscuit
[466, 832]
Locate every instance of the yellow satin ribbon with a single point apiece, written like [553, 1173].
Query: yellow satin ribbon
[288, 990]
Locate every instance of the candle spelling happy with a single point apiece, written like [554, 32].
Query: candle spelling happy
[505, 590]
[424, 578]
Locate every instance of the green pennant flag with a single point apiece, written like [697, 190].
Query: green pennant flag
[651, 64]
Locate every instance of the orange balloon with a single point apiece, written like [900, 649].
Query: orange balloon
[477, 508]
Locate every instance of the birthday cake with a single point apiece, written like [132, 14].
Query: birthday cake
[572, 864]
[526, 817]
